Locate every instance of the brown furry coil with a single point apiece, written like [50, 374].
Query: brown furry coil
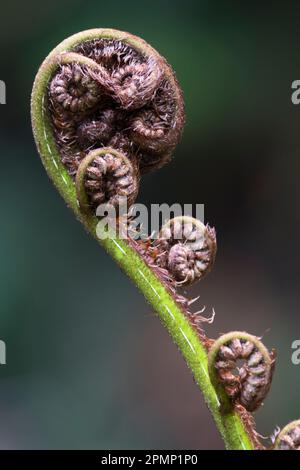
[107, 93]
[187, 249]
[250, 383]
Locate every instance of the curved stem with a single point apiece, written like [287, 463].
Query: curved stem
[169, 311]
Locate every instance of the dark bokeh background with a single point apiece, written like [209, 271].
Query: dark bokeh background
[88, 364]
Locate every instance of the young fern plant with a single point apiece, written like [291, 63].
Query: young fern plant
[106, 109]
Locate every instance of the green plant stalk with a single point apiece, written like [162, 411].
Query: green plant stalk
[170, 313]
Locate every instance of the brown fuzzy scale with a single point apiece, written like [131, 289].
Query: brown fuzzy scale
[111, 53]
[66, 137]
[121, 142]
[187, 249]
[249, 424]
[100, 129]
[110, 179]
[125, 101]
[149, 252]
[253, 380]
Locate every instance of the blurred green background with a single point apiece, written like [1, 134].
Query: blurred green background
[88, 364]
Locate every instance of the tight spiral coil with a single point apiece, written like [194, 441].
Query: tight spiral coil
[187, 249]
[250, 383]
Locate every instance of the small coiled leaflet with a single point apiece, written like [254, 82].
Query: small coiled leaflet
[73, 90]
[250, 383]
[106, 176]
[187, 249]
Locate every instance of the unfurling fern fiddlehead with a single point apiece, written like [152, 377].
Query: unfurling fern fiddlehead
[106, 109]
[249, 384]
